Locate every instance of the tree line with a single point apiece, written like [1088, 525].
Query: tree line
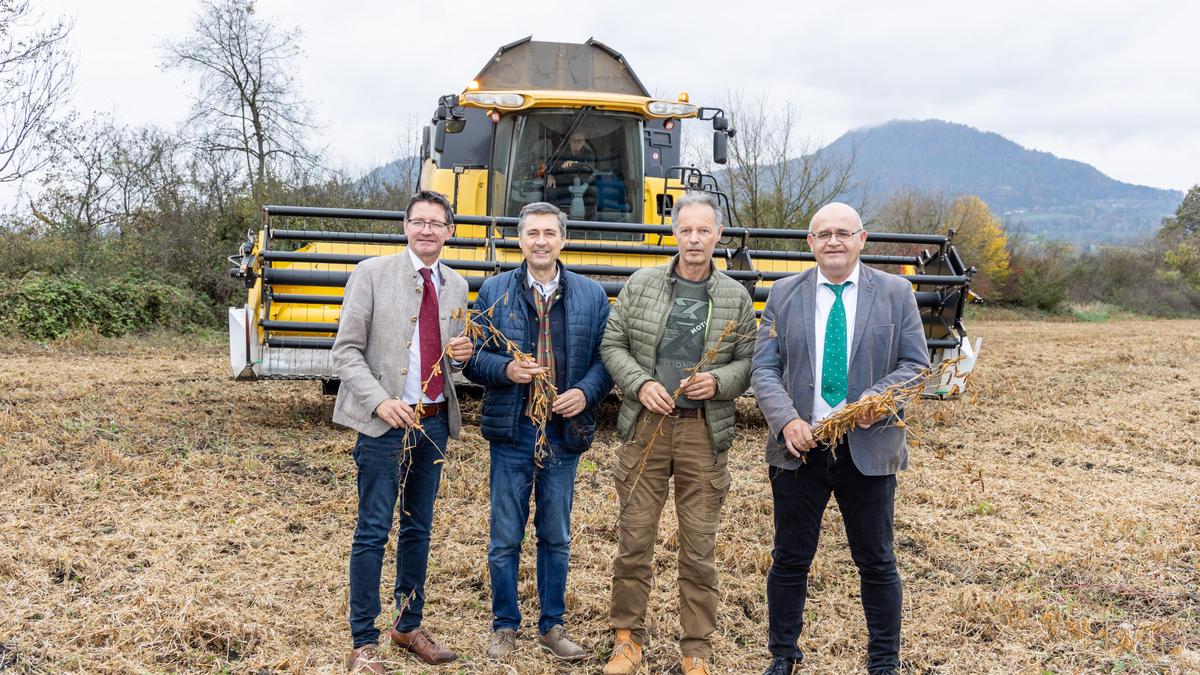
[779, 178]
[116, 206]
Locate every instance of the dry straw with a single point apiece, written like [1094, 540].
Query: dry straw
[158, 517]
[885, 405]
[482, 330]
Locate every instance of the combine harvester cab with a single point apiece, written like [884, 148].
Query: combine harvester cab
[565, 123]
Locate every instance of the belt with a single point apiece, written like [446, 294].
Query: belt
[688, 413]
[432, 409]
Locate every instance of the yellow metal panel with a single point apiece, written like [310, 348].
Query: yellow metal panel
[472, 195]
[570, 99]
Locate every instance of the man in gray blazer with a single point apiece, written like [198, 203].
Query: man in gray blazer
[398, 394]
[832, 335]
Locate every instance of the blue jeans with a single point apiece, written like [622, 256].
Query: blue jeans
[513, 478]
[386, 473]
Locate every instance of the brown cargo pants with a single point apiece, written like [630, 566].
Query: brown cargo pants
[682, 448]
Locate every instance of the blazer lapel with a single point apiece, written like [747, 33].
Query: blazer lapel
[443, 315]
[866, 300]
[808, 314]
[405, 260]
[408, 278]
[403, 295]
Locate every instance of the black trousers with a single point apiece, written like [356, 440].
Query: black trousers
[867, 504]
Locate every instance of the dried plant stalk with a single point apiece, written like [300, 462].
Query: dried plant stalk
[478, 326]
[884, 405]
[726, 340]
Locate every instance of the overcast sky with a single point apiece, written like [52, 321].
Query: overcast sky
[1114, 84]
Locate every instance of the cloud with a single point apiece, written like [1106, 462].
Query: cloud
[1109, 83]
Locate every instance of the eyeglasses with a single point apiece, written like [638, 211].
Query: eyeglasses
[433, 225]
[841, 235]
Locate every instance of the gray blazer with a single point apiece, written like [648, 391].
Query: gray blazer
[375, 331]
[888, 347]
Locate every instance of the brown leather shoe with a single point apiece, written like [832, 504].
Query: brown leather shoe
[418, 642]
[365, 660]
[626, 654]
[694, 665]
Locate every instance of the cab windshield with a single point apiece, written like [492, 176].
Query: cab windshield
[588, 163]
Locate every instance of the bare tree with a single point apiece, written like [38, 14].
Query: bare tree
[35, 78]
[912, 210]
[248, 102]
[78, 188]
[408, 150]
[777, 178]
[109, 180]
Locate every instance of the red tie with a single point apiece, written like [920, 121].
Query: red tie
[431, 337]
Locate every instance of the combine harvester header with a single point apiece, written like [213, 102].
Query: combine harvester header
[568, 124]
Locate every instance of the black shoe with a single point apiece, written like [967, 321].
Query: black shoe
[781, 666]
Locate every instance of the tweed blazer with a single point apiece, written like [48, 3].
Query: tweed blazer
[888, 347]
[379, 316]
[636, 325]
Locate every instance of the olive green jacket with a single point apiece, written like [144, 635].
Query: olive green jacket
[635, 327]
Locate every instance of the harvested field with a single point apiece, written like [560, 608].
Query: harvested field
[157, 517]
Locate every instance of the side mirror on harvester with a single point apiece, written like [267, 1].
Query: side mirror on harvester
[720, 147]
[439, 137]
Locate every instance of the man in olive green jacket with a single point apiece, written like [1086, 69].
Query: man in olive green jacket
[678, 343]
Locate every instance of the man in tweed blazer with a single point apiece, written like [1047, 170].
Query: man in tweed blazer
[398, 341]
[832, 335]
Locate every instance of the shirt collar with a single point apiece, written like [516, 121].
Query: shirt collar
[674, 273]
[547, 288]
[418, 265]
[852, 279]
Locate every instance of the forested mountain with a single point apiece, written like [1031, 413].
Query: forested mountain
[1036, 191]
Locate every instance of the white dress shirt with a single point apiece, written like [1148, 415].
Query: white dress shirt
[412, 382]
[547, 289]
[825, 300]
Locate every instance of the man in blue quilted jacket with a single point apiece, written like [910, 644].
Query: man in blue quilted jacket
[557, 318]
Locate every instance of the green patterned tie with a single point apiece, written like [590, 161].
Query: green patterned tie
[833, 363]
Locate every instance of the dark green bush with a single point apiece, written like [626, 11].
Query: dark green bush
[1038, 278]
[47, 307]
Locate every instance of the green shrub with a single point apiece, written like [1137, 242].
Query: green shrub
[48, 307]
[1133, 280]
[1093, 312]
[1038, 278]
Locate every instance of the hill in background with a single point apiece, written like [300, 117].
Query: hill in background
[1034, 191]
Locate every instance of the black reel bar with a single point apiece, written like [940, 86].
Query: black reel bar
[942, 281]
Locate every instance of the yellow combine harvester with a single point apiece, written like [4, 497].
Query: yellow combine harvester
[570, 124]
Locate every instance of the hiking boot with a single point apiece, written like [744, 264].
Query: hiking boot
[694, 665]
[626, 654]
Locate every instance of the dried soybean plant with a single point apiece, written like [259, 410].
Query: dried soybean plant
[479, 327]
[542, 395]
[471, 330]
[728, 339]
[884, 405]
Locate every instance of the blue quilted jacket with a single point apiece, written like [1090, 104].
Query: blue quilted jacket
[586, 310]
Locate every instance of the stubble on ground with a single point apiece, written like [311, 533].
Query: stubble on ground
[157, 517]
